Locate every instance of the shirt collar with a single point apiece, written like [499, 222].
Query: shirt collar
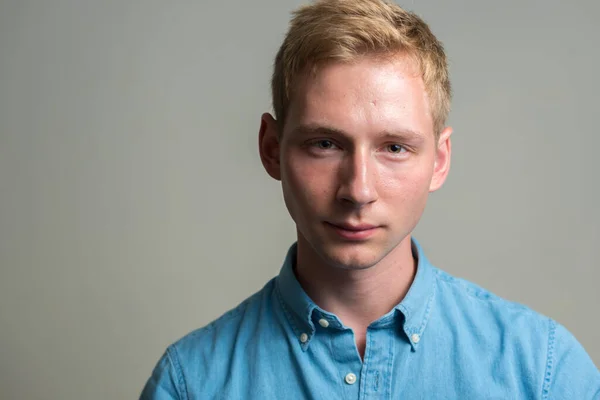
[415, 308]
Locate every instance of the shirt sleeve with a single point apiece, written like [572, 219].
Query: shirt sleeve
[166, 382]
[570, 372]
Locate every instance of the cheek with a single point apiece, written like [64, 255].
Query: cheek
[309, 181]
[409, 184]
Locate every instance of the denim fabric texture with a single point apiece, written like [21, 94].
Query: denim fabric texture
[447, 339]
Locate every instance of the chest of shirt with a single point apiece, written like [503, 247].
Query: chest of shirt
[275, 366]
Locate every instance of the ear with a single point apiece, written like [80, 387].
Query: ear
[443, 154]
[268, 146]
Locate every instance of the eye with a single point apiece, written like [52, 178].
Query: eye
[396, 148]
[324, 144]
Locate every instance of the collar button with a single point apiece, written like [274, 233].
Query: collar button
[324, 323]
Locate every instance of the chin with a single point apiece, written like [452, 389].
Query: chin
[351, 256]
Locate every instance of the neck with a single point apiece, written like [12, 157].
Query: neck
[357, 297]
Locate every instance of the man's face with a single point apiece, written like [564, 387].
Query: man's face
[357, 159]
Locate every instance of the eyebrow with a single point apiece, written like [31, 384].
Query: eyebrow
[404, 134]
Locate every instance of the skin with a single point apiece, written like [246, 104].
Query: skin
[357, 147]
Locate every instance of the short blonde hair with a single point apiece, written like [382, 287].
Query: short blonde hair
[344, 30]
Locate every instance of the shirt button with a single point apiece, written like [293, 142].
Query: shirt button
[323, 322]
[304, 338]
[415, 338]
[350, 378]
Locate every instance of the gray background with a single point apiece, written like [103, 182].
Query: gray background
[134, 207]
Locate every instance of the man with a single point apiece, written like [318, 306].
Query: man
[361, 94]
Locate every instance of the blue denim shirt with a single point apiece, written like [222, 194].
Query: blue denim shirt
[448, 339]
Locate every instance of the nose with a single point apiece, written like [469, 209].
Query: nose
[357, 179]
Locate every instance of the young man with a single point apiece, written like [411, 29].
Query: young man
[361, 94]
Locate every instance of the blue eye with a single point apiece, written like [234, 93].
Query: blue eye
[396, 148]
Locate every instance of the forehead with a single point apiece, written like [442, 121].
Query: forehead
[366, 95]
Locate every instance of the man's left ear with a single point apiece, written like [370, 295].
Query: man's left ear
[443, 154]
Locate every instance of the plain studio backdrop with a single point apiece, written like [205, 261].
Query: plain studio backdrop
[134, 207]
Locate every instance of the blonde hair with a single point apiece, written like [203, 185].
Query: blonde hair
[344, 30]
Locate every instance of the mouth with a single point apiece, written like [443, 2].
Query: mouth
[353, 232]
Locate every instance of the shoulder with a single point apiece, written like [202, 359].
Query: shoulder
[223, 331]
[198, 362]
[467, 297]
[491, 326]
[529, 341]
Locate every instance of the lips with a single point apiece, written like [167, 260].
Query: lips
[353, 232]
[352, 227]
